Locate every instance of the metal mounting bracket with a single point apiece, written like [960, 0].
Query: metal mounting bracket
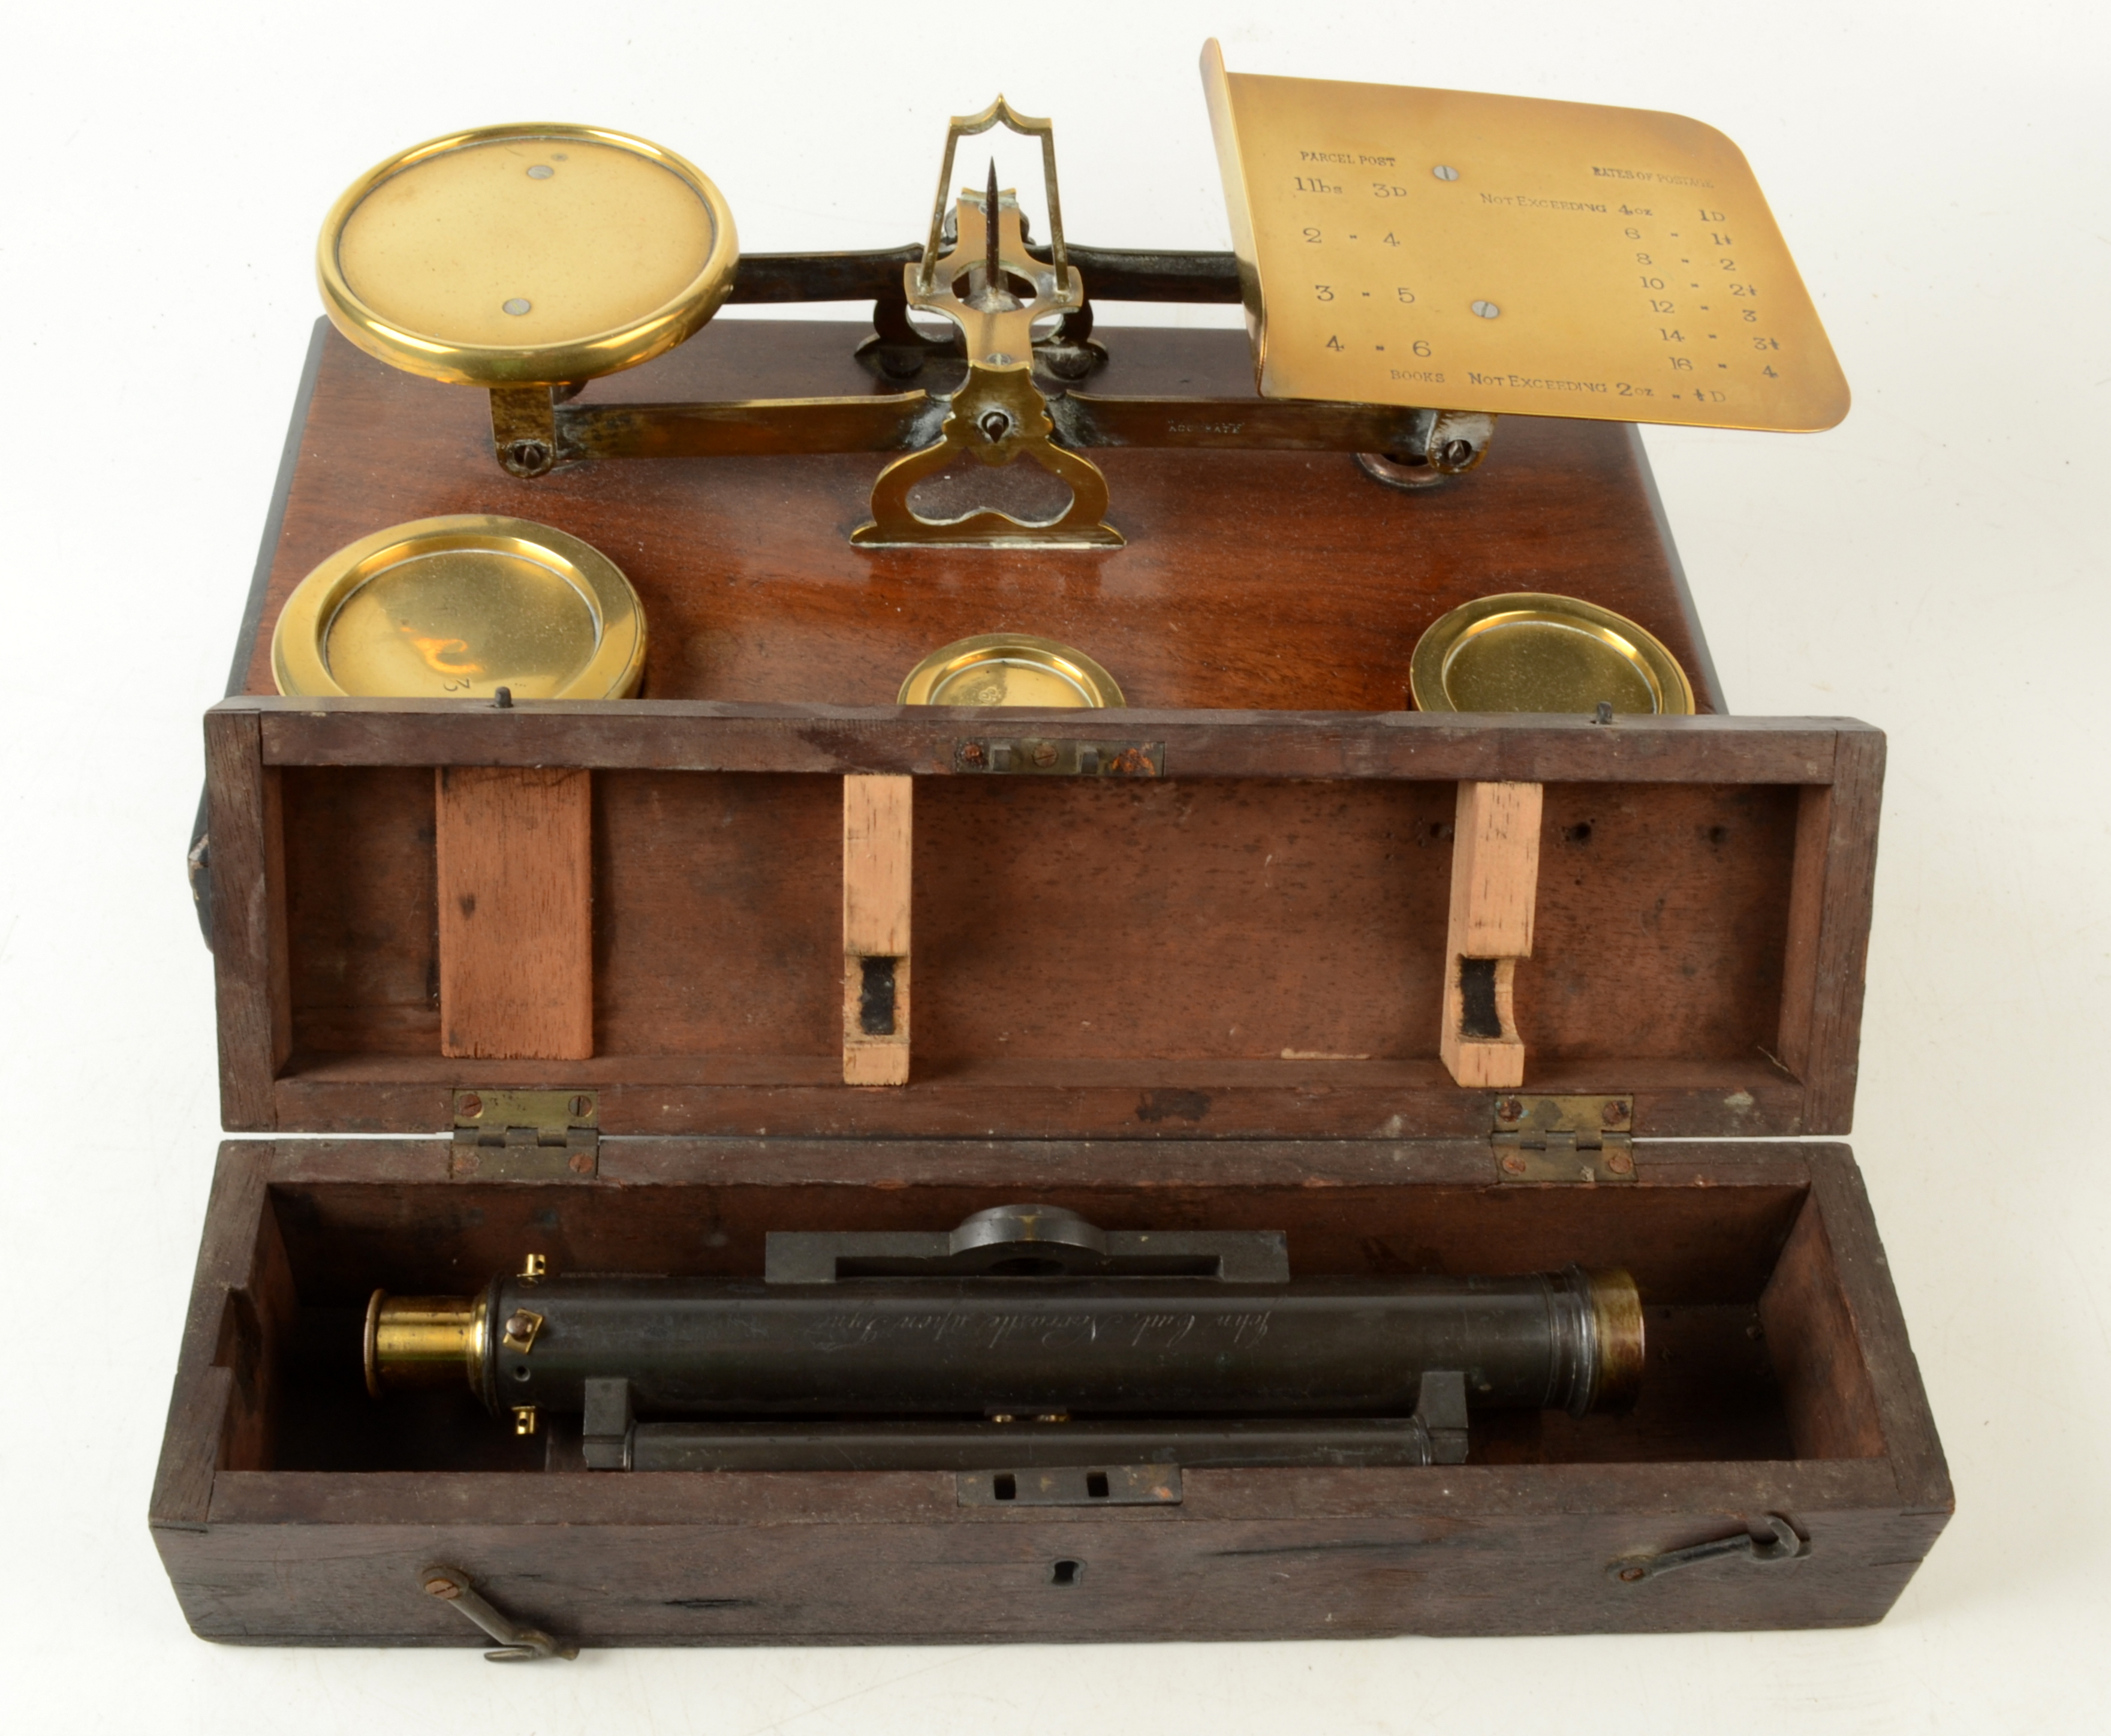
[1026, 1241]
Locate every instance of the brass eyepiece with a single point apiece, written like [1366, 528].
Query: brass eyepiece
[423, 1341]
[1616, 1315]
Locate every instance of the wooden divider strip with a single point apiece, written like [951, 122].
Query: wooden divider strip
[515, 862]
[1494, 885]
[876, 876]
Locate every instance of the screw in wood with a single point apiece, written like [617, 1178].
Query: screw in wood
[1044, 754]
[1620, 1164]
[471, 1106]
[1514, 1165]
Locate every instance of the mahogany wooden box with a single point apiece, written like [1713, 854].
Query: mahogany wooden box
[1209, 997]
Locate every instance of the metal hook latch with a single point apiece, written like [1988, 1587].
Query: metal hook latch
[1787, 1545]
[517, 1645]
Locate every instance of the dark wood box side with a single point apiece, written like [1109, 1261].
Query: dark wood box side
[262, 1555]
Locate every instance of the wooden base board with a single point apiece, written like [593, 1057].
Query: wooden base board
[1277, 580]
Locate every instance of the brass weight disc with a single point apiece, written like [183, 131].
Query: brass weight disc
[1009, 669]
[528, 254]
[458, 608]
[1531, 651]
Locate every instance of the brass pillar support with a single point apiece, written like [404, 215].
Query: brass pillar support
[993, 289]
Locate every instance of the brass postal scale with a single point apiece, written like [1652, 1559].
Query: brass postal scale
[1342, 1054]
[1413, 264]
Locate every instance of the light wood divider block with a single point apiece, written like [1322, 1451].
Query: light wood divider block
[1495, 883]
[876, 892]
[516, 861]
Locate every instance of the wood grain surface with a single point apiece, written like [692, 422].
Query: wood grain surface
[1250, 580]
[1149, 950]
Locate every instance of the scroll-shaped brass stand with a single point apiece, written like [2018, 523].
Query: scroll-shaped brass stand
[991, 288]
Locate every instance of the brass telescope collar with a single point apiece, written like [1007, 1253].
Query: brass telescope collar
[425, 1341]
[1616, 1324]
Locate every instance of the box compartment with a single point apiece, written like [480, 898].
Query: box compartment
[291, 1508]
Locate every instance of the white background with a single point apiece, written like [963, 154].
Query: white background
[1937, 565]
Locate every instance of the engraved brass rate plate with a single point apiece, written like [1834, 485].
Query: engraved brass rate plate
[1532, 651]
[526, 255]
[1009, 669]
[458, 608]
[1449, 251]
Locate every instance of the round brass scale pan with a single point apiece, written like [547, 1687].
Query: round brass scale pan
[1531, 651]
[530, 255]
[458, 608]
[1009, 669]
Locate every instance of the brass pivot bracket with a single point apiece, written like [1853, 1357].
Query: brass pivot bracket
[993, 289]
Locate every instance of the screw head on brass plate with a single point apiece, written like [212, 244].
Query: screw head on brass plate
[1009, 669]
[457, 607]
[1531, 651]
[527, 255]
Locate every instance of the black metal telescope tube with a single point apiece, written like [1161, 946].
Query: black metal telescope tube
[700, 1347]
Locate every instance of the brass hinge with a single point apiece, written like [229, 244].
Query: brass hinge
[1564, 1138]
[526, 1136]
